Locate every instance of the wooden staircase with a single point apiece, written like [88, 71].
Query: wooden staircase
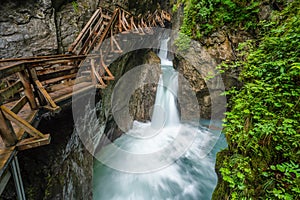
[33, 85]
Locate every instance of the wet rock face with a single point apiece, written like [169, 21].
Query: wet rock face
[61, 170]
[70, 20]
[198, 65]
[27, 28]
[141, 99]
[41, 27]
[198, 69]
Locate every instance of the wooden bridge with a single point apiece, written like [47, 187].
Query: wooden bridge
[34, 85]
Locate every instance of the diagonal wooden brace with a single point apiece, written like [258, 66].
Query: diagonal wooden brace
[99, 78]
[40, 87]
[21, 123]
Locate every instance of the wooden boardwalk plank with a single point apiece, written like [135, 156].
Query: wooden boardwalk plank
[54, 76]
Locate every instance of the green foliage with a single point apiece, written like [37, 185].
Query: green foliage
[263, 127]
[75, 6]
[202, 17]
[183, 42]
[2, 85]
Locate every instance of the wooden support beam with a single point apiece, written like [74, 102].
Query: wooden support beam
[93, 70]
[9, 92]
[59, 73]
[166, 15]
[106, 69]
[74, 93]
[133, 26]
[21, 123]
[40, 96]
[106, 16]
[120, 22]
[6, 131]
[45, 94]
[159, 20]
[141, 30]
[11, 69]
[29, 119]
[114, 42]
[108, 78]
[58, 79]
[28, 89]
[97, 74]
[153, 23]
[55, 68]
[32, 58]
[111, 40]
[19, 105]
[30, 143]
[98, 35]
[123, 25]
[125, 20]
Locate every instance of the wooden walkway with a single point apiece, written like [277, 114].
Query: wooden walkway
[34, 84]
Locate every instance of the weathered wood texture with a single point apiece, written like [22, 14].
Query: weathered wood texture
[31, 84]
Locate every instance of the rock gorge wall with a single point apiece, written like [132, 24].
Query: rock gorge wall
[44, 27]
[204, 56]
[63, 169]
[41, 27]
[141, 100]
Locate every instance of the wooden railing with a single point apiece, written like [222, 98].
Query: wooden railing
[37, 84]
[27, 83]
[33, 83]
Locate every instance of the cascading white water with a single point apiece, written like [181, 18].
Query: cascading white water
[189, 177]
[165, 112]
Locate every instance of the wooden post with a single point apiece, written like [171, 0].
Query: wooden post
[28, 90]
[45, 94]
[111, 40]
[94, 81]
[41, 98]
[6, 131]
[120, 22]
[97, 75]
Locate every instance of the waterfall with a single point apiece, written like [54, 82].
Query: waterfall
[165, 112]
[188, 176]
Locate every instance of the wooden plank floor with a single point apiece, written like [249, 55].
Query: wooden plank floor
[67, 90]
[26, 113]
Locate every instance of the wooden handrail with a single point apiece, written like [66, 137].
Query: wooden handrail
[106, 31]
[44, 82]
[5, 60]
[84, 31]
[20, 66]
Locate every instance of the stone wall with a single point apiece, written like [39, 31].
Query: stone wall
[70, 20]
[141, 100]
[41, 27]
[198, 65]
[27, 28]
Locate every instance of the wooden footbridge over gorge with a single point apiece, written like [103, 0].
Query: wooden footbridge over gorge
[34, 85]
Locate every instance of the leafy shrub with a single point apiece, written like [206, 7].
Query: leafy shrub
[263, 127]
[202, 17]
